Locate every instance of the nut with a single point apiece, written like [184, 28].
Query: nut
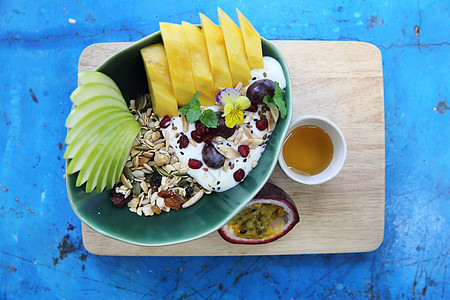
[227, 151]
[160, 159]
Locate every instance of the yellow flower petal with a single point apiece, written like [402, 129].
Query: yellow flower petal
[242, 103]
[227, 109]
[233, 118]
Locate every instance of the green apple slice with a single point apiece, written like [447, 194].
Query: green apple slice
[89, 170]
[117, 167]
[89, 105]
[99, 125]
[98, 179]
[94, 76]
[87, 121]
[89, 90]
[100, 136]
[112, 157]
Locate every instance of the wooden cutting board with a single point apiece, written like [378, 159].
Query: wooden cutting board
[342, 81]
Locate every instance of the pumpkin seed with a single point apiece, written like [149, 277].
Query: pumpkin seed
[184, 182]
[128, 174]
[136, 188]
[142, 148]
[180, 174]
[163, 172]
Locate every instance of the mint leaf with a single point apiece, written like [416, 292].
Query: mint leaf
[269, 101]
[192, 110]
[193, 114]
[278, 99]
[194, 103]
[209, 118]
[281, 107]
[184, 110]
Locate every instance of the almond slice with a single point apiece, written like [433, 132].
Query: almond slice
[253, 142]
[275, 113]
[238, 136]
[184, 123]
[248, 134]
[227, 151]
[271, 125]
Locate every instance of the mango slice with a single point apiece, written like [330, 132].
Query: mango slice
[234, 43]
[201, 68]
[178, 58]
[160, 84]
[252, 42]
[217, 54]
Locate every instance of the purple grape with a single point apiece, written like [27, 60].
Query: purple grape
[212, 157]
[222, 129]
[259, 89]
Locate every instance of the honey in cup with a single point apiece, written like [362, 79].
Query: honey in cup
[308, 150]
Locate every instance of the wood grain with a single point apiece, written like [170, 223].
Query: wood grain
[342, 81]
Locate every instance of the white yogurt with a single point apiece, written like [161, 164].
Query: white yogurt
[218, 180]
[272, 70]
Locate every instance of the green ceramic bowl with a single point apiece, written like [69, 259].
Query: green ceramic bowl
[211, 212]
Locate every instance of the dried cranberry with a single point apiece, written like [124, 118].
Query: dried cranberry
[184, 141]
[207, 138]
[196, 137]
[244, 150]
[239, 175]
[252, 108]
[200, 130]
[194, 163]
[117, 199]
[262, 124]
[165, 121]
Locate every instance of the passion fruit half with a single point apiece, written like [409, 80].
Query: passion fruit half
[266, 218]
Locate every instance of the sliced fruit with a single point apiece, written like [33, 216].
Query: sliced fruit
[266, 218]
[201, 68]
[164, 101]
[234, 44]
[90, 147]
[96, 167]
[217, 54]
[100, 126]
[110, 157]
[89, 105]
[95, 128]
[89, 90]
[178, 58]
[252, 42]
[124, 150]
[87, 121]
[89, 172]
[98, 77]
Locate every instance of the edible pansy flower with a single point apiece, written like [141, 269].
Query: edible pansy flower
[233, 112]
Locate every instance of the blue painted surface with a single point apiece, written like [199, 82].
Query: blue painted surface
[41, 253]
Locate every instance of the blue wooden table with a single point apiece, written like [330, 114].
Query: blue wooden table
[41, 252]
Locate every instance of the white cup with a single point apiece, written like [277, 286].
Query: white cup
[339, 153]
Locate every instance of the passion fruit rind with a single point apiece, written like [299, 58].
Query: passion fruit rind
[270, 194]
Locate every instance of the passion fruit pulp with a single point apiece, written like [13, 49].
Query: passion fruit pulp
[266, 218]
